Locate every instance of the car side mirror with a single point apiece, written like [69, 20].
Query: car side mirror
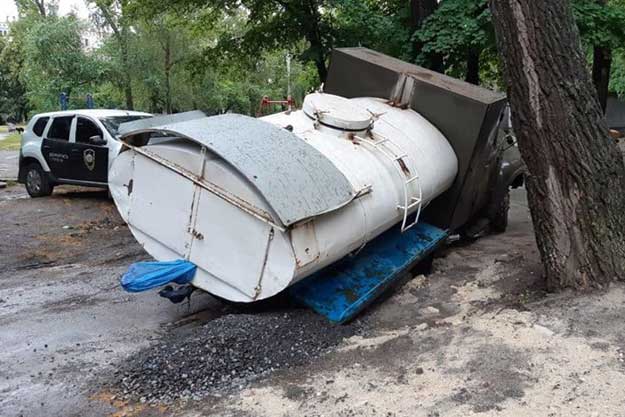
[97, 140]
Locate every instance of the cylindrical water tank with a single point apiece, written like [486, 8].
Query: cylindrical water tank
[393, 159]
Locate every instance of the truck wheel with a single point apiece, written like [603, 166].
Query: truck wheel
[37, 183]
[499, 220]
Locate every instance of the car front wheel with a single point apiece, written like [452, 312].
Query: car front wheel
[37, 183]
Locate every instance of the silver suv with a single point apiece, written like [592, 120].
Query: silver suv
[70, 147]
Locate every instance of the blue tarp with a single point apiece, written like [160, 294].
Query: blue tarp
[143, 276]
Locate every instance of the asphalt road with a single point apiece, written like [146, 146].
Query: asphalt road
[477, 335]
[63, 316]
[9, 165]
[65, 323]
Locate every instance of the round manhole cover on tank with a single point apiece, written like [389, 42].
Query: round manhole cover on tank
[338, 112]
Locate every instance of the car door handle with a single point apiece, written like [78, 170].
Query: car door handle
[75, 150]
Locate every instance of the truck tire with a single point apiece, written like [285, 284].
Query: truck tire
[36, 181]
[499, 219]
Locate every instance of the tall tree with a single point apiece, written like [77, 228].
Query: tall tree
[576, 171]
[69, 69]
[27, 7]
[462, 33]
[13, 100]
[114, 15]
[170, 53]
[601, 26]
[318, 24]
[601, 67]
[420, 10]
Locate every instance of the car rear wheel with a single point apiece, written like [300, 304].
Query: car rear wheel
[37, 183]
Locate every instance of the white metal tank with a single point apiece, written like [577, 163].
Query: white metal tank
[259, 204]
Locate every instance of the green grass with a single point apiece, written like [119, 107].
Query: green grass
[5, 128]
[11, 143]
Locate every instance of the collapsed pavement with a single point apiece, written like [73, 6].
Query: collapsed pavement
[478, 336]
[228, 352]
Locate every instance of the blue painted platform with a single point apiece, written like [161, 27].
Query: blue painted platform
[342, 290]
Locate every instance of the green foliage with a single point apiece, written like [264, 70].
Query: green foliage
[617, 79]
[246, 28]
[68, 69]
[457, 27]
[600, 25]
[11, 143]
[225, 55]
[378, 25]
[13, 102]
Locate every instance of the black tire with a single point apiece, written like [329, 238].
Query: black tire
[37, 182]
[499, 219]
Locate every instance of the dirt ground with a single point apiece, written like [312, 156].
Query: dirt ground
[477, 336]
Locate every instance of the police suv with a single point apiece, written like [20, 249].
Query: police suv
[70, 147]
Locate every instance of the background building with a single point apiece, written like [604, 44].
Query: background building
[4, 24]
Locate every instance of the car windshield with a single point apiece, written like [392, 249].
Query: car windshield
[112, 123]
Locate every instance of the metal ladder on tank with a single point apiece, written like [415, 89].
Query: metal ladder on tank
[399, 158]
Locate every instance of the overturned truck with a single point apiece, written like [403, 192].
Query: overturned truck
[257, 205]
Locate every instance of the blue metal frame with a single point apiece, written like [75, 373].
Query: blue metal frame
[342, 290]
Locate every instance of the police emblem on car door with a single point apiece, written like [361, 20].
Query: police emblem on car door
[88, 157]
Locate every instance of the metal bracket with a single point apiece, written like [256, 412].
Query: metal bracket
[403, 91]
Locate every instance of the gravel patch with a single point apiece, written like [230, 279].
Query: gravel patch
[230, 351]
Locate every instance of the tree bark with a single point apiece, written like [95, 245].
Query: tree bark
[41, 7]
[473, 67]
[36, 6]
[313, 35]
[168, 65]
[420, 10]
[601, 68]
[121, 33]
[576, 173]
[126, 76]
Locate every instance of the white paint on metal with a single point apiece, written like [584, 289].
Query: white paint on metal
[243, 258]
[304, 243]
[296, 180]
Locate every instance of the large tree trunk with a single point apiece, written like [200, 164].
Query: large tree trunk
[313, 35]
[320, 63]
[127, 80]
[121, 31]
[419, 11]
[473, 67]
[577, 177]
[601, 67]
